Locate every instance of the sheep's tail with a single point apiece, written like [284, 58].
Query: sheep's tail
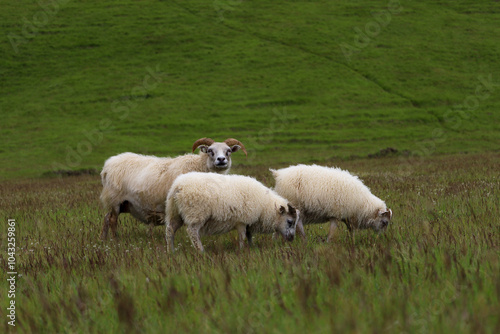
[109, 195]
[273, 171]
[170, 207]
[103, 178]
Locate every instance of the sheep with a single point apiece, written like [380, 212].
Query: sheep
[209, 203]
[139, 184]
[331, 194]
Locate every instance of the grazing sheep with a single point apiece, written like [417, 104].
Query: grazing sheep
[139, 184]
[330, 194]
[209, 203]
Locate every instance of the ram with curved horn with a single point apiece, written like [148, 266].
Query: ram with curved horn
[139, 184]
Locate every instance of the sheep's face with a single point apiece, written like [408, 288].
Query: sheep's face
[287, 219]
[219, 155]
[381, 220]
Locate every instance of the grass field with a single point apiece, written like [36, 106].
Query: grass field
[96, 78]
[436, 269]
[404, 94]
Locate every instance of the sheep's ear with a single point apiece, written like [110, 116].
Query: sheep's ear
[231, 142]
[235, 148]
[387, 214]
[282, 209]
[273, 171]
[291, 209]
[203, 148]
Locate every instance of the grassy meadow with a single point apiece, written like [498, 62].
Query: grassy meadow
[404, 94]
[436, 269]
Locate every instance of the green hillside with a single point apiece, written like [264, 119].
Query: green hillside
[296, 81]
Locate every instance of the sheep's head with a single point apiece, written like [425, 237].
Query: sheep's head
[287, 221]
[219, 154]
[381, 220]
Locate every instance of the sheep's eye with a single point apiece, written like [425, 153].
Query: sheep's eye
[228, 152]
[210, 151]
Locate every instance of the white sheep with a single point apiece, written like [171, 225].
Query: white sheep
[139, 184]
[209, 203]
[331, 194]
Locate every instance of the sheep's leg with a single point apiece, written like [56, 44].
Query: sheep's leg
[113, 223]
[300, 228]
[348, 225]
[194, 235]
[110, 219]
[333, 229]
[242, 232]
[172, 226]
[353, 236]
[249, 236]
[151, 233]
[350, 229]
[105, 226]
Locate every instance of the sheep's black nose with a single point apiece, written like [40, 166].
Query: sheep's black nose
[221, 159]
[385, 223]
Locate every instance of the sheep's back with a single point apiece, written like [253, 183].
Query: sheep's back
[130, 171]
[322, 190]
[219, 197]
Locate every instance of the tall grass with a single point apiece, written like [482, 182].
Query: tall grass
[435, 270]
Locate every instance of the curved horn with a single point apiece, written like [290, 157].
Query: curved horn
[231, 141]
[203, 141]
